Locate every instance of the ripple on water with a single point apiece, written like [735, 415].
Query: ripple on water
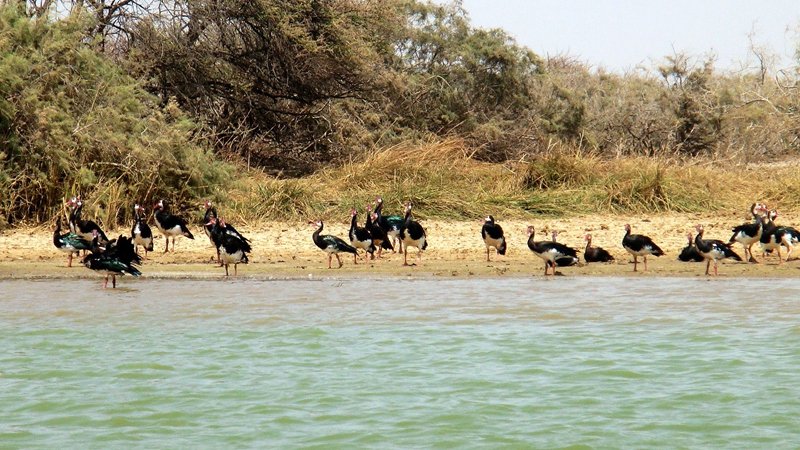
[396, 363]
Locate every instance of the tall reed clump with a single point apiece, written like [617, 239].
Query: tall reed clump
[71, 123]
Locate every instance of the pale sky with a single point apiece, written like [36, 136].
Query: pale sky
[619, 35]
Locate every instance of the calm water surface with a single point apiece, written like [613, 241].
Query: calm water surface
[596, 362]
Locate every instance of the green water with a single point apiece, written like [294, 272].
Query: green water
[526, 363]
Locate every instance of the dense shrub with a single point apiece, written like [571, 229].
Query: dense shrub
[72, 122]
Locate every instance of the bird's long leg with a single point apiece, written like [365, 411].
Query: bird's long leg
[105, 283]
[487, 254]
[226, 269]
[339, 259]
[419, 255]
[114, 281]
[405, 256]
[235, 270]
[708, 264]
[635, 262]
[749, 251]
[330, 256]
[645, 262]
[69, 261]
[780, 258]
[716, 274]
[166, 238]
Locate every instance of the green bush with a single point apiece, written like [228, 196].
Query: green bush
[72, 122]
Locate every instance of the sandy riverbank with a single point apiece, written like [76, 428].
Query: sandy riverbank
[285, 250]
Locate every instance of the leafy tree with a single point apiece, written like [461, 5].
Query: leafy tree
[72, 122]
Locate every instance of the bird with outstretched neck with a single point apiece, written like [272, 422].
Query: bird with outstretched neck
[332, 245]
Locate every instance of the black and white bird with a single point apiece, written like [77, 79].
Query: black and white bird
[565, 261]
[639, 245]
[551, 252]
[770, 238]
[170, 225]
[595, 254]
[391, 225]
[690, 253]
[69, 243]
[141, 234]
[789, 238]
[492, 234]
[210, 213]
[83, 228]
[332, 245]
[412, 235]
[749, 233]
[713, 249]
[232, 247]
[774, 237]
[118, 258]
[379, 238]
[360, 237]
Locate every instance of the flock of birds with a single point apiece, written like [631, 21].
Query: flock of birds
[381, 232]
[762, 230]
[121, 256]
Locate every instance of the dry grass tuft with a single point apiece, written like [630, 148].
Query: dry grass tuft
[445, 182]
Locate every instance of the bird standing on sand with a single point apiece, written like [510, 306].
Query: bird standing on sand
[551, 252]
[379, 238]
[69, 243]
[232, 247]
[332, 245]
[141, 234]
[639, 245]
[749, 233]
[83, 228]
[492, 234]
[390, 224]
[360, 237]
[170, 225]
[713, 249]
[412, 235]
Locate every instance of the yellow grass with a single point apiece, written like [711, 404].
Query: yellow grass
[444, 181]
